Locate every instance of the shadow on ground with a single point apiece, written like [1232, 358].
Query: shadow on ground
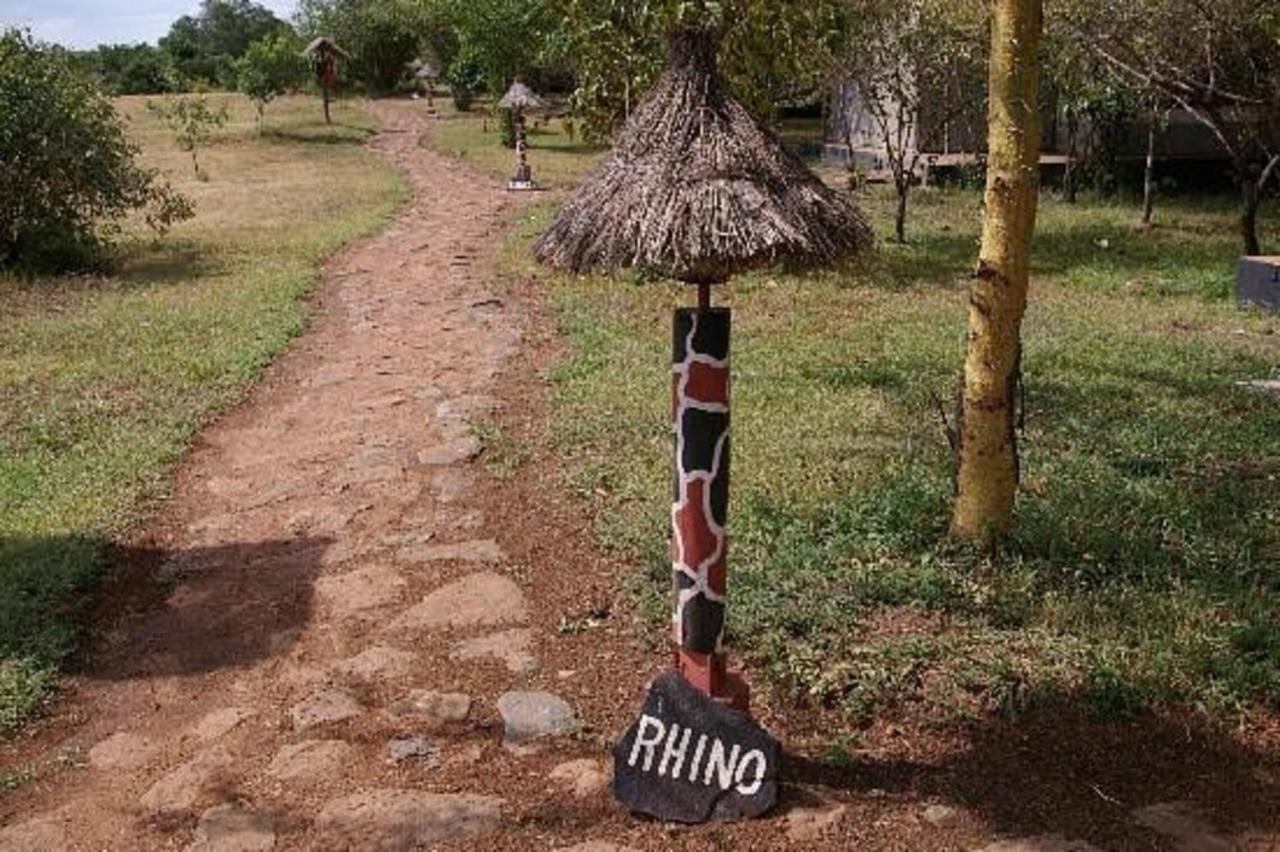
[1055, 770]
[192, 611]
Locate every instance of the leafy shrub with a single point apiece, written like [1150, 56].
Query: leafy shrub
[269, 68]
[466, 79]
[69, 173]
[192, 120]
[134, 69]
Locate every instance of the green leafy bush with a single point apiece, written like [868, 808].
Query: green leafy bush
[466, 79]
[68, 172]
[192, 119]
[269, 68]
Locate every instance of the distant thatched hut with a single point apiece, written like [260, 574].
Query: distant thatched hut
[521, 99]
[426, 73]
[697, 189]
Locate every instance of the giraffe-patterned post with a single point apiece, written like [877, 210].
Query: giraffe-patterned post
[699, 514]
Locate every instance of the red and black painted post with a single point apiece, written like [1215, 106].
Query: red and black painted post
[699, 514]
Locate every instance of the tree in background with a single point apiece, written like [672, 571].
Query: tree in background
[912, 65]
[1217, 61]
[1095, 107]
[615, 50]
[69, 173]
[771, 53]
[493, 40]
[986, 436]
[269, 68]
[205, 46]
[382, 36]
[133, 69]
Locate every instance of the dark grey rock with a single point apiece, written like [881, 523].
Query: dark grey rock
[690, 759]
[1258, 283]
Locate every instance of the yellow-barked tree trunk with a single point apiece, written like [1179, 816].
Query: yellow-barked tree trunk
[987, 447]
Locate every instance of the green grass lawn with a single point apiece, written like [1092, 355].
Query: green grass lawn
[106, 379]
[1146, 561]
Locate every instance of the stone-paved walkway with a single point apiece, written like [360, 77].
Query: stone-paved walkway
[320, 539]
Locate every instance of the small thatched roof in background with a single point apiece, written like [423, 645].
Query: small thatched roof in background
[697, 189]
[323, 43]
[520, 97]
[425, 69]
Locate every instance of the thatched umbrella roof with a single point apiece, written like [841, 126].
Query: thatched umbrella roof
[520, 97]
[425, 69]
[323, 43]
[698, 190]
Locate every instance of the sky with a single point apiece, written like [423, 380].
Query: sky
[87, 23]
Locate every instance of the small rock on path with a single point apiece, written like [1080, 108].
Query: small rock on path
[438, 708]
[400, 820]
[530, 716]
[179, 790]
[322, 707]
[310, 759]
[1041, 843]
[122, 751]
[513, 648]
[219, 723]
[231, 828]
[1184, 827]
[585, 777]
[479, 599]
[378, 661]
[485, 550]
[810, 824]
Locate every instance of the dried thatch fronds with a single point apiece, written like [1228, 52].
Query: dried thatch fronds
[323, 44]
[697, 189]
[521, 98]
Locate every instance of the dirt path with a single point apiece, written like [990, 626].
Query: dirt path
[330, 580]
[345, 632]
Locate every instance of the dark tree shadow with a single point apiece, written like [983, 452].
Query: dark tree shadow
[336, 134]
[191, 611]
[1056, 770]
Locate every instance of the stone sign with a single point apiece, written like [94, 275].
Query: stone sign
[1258, 283]
[691, 759]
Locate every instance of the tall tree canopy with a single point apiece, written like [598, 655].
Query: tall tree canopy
[771, 53]
[205, 46]
[381, 36]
